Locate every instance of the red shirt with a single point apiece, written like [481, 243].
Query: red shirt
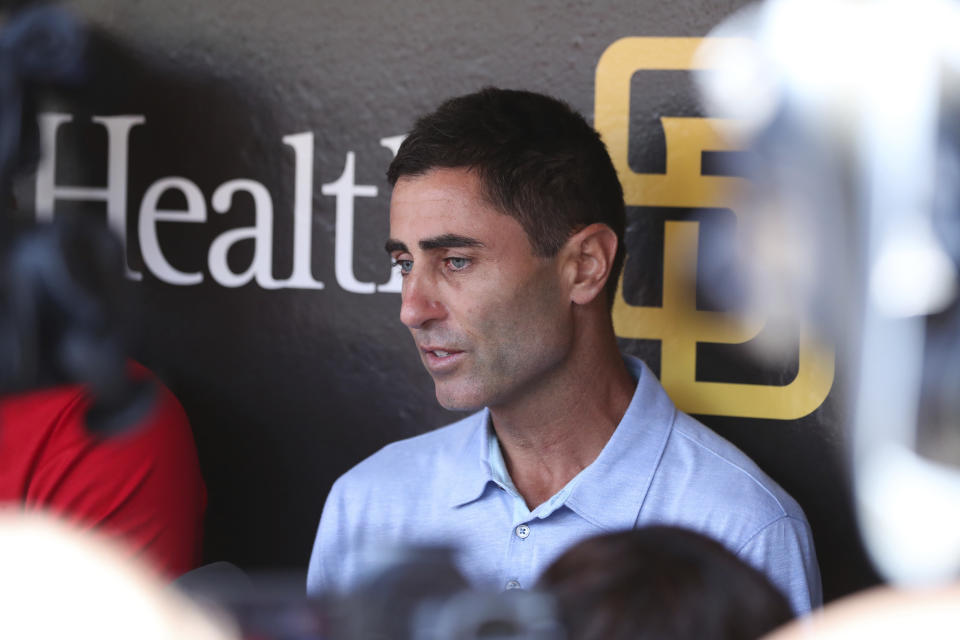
[142, 486]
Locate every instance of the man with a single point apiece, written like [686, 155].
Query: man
[507, 223]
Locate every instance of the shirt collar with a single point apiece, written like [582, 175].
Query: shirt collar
[471, 473]
[613, 487]
[501, 477]
[498, 466]
[611, 490]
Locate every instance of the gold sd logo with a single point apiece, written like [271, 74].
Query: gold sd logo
[678, 324]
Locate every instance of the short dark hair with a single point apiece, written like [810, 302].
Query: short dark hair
[538, 161]
[661, 582]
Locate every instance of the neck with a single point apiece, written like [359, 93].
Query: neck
[559, 428]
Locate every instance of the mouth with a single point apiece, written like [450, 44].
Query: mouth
[438, 359]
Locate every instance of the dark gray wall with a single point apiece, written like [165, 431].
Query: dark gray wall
[287, 388]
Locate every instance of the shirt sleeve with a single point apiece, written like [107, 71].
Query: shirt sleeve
[328, 548]
[142, 486]
[784, 551]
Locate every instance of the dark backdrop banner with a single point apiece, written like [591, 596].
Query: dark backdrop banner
[239, 148]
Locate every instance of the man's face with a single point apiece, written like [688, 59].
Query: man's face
[489, 317]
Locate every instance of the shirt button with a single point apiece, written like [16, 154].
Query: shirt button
[523, 531]
[512, 584]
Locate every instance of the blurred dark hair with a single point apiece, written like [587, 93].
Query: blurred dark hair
[537, 159]
[661, 583]
[61, 304]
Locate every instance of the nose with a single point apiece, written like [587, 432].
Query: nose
[419, 301]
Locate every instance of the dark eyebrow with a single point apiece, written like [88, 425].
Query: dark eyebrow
[394, 245]
[445, 241]
[449, 241]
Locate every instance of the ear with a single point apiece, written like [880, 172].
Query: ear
[590, 253]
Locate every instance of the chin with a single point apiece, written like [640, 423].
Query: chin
[460, 399]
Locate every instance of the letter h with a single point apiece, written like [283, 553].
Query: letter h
[115, 192]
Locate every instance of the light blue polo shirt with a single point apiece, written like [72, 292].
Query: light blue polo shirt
[449, 487]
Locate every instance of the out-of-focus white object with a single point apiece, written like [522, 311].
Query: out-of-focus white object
[881, 614]
[851, 111]
[56, 583]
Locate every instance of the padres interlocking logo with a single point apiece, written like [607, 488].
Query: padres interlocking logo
[677, 323]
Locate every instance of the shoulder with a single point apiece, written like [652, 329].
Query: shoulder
[413, 461]
[700, 476]
[385, 499]
[38, 412]
[711, 477]
[706, 483]
[142, 484]
[57, 415]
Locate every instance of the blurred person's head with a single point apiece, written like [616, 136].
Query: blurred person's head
[58, 581]
[931, 613]
[661, 583]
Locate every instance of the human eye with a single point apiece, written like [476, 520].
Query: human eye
[457, 264]
[404, 264]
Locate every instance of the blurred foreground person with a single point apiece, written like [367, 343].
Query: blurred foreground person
[507, 222]
[57, 582]
[661, 583]
[142, 486]
[84, 433]
[851, 226]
